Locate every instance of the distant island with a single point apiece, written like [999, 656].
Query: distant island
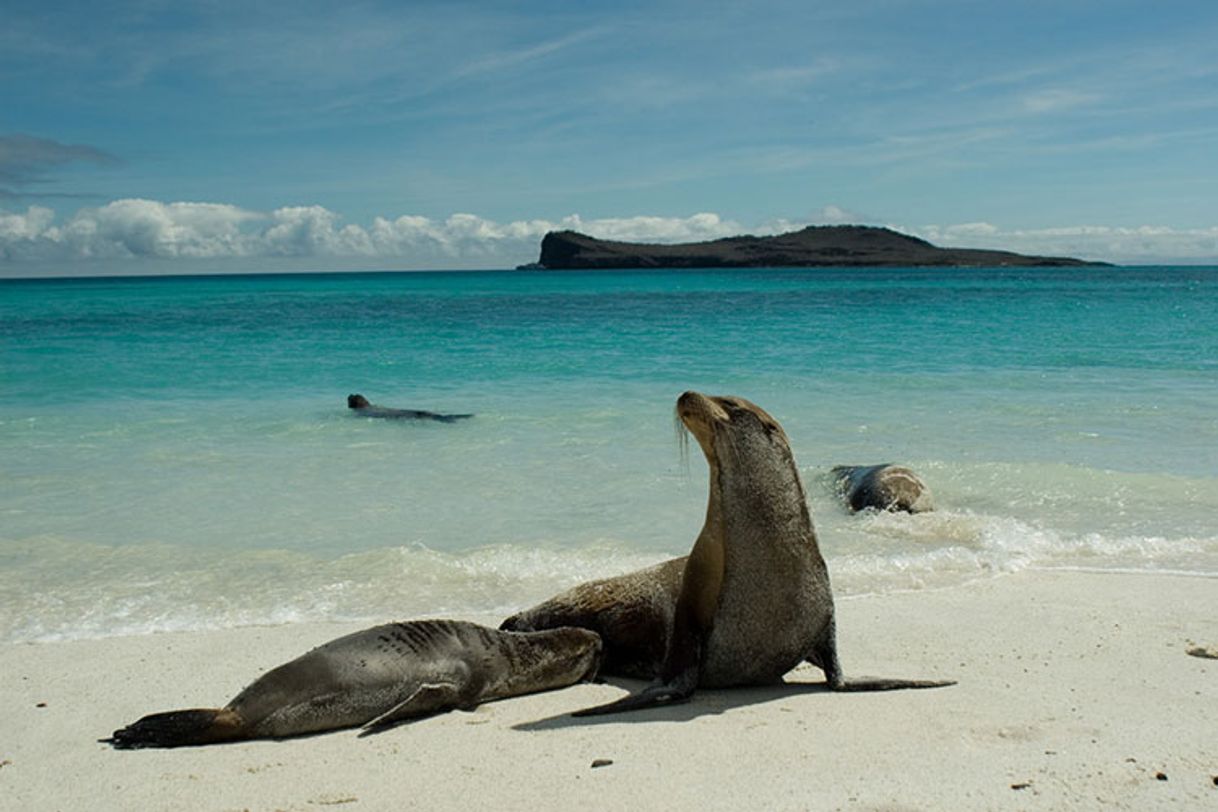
[809, 247]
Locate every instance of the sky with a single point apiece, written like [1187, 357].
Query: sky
[186, 137]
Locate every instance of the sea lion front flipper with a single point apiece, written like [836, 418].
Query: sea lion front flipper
[692, 623]
[655, 694]
[428, 698]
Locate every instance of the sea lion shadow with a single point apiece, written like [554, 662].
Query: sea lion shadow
[705, 702]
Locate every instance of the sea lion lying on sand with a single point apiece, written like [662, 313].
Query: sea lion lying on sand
[378, 677]
[365, 409]
[883, 487]
[754, 599]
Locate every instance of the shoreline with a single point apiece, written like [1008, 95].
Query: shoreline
[1075, 691]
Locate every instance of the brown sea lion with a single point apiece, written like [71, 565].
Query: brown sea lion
[632, 613]
[365, 409]
[378, 677]
[755, 598]
[882, 487]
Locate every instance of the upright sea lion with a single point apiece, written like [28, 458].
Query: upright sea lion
[883, 487]
[755, 598]
[365, 409]
[632, 613]
[378, 677]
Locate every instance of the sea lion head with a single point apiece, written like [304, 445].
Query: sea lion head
[720, 423]
[565, 651]
[357, 402]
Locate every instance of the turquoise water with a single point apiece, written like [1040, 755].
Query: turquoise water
[176, 453]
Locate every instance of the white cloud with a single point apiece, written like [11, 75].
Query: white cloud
[19, 228]
[128, 229]
[125, 230]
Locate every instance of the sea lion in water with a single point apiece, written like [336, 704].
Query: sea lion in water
[365, 409]
[883, 487]
[632, 613]
[755, 598]
[378, 677]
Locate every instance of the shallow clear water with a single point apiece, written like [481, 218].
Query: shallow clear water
[176, 453]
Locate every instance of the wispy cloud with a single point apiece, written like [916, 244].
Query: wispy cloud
[26, 160]
[1056, 99]
[504, 60]
[789, 78]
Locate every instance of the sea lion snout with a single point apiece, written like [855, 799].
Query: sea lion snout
[699, 412]
[693, 404]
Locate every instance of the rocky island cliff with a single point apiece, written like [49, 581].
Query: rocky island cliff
[811, 246]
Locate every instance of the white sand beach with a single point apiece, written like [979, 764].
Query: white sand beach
[1075, 691]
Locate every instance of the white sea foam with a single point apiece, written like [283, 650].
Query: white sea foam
[58, 589]
[55, 589]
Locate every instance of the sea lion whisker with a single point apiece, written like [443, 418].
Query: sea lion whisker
[682, 434]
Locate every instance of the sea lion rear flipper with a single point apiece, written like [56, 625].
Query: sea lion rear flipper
[179, 728]
[428, 698]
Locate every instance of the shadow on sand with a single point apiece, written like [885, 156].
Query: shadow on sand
[703, 703]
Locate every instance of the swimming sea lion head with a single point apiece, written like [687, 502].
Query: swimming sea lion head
[357, 402]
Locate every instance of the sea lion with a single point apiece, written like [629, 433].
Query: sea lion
[378, 677]
[755, 598]
[365, 409]
[883, 487]
[632, 613]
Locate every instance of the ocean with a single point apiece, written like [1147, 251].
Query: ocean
[176, 453]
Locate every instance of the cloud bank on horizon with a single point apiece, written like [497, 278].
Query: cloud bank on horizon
[322, 137]
[152, 230]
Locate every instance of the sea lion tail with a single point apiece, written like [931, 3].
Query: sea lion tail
[883, 684]
[179, 728]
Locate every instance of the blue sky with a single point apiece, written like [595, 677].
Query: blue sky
[150, 137]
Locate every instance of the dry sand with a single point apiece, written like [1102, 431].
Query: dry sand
[1076, 691]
